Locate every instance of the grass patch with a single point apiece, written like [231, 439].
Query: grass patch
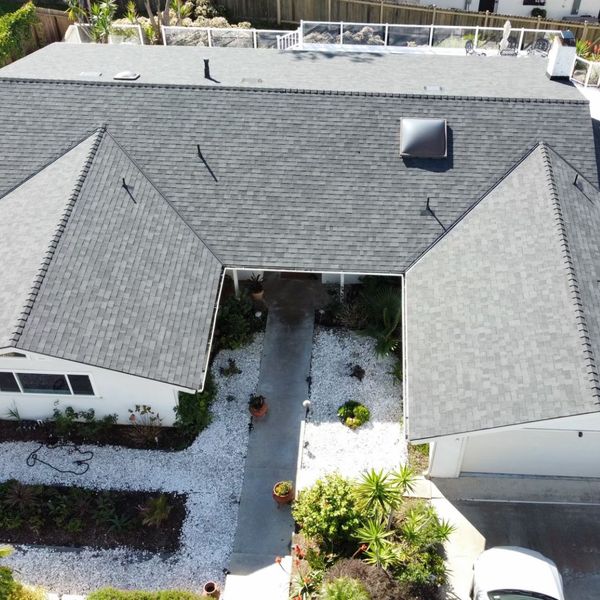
[418, 457]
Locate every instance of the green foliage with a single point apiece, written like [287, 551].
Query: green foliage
[146, 425]
[344, 588]
[353, 414]
[237, 323]
[155, 511]
[328, 511]
[101, 18]
[193, 410]
[69, 422]
[15, 31]
[397, 372]
[8, 585]
[114, 594]
[378, 493]
[10, 588]
[538, 12]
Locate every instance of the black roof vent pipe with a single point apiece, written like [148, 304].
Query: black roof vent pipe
[206, 69]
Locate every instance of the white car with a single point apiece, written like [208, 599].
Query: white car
[513, 573]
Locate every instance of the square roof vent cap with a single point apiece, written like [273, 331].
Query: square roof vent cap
[423, 138]
[127, 76]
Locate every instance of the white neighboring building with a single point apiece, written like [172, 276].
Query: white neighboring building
[555, 9]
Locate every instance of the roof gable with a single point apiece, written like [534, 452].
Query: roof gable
[130, 287]
[494, 327]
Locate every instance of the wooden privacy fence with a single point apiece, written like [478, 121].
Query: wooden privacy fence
[51, 27]
[386, 11]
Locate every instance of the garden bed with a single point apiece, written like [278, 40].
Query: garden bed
[75, 517]
[209, 473]
[168, 438]
[329, 445]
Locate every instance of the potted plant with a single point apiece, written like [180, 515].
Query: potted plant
[283, 492]
[258, 405]
[211, 590]
[257, 291]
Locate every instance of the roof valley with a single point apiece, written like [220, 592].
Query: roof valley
[15, 335]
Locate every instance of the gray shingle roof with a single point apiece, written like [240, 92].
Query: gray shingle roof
[30, 220]
[130, 286]
[503, 311]
[397, 73]
[306, 180]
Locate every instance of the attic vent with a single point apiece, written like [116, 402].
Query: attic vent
[423, 138]
[127, 76]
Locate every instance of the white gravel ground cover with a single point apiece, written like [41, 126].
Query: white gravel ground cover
[210, 471]
[328, 444]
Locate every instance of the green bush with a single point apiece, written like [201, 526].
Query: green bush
[193, 410]
[353, 414]
[11, 589]
[237, 323]
[15, 30]
[344, 588]
[328, 512]
[113, 594]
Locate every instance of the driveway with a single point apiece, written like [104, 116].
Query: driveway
[569, 534]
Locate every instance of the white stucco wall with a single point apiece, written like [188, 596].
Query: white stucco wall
[115, 392]
[552, 448]
[556, 9]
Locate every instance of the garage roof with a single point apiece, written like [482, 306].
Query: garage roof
[503, 312]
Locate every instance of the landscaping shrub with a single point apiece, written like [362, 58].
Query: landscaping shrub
[375, 581]
[114, 594]
[353, 414]
[328, 512]
[344, 588]
[15, 30]
[237, 323]
[193, 411]
[69, 422]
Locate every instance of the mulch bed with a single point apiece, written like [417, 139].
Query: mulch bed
[168, 438]
[76, 517]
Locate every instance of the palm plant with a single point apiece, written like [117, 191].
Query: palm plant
[405, 479]
[385, 557]
[101, 18]
[423, 528]
[383, 307]
[373, 533]
[378, 493]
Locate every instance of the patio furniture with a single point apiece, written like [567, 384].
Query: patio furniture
[540, 47]
[510, 48]
[470, 49]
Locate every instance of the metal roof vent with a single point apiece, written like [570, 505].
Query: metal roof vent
[423, 138]
[127, 76]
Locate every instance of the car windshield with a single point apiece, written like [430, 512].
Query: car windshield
[517, 595]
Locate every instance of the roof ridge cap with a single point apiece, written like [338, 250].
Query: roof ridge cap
[54, 241]
[573, 284]
[307, 91]
[158, 191]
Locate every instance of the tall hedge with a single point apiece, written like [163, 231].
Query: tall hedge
[15, 31]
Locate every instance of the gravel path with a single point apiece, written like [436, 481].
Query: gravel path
[210, 471]
[328, 444]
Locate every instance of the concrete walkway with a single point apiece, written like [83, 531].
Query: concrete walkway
[264, 531]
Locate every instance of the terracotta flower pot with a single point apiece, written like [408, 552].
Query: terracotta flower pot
[258, 296]
[283, 499]
[211, 590]
[259, 412]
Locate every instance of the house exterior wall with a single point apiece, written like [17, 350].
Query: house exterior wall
[551, 448]
[115, 392]
[555, 9]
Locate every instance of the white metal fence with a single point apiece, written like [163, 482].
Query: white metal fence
[220, 37]
[315, 34]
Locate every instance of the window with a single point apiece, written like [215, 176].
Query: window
[8, 383]
[43, 383]
[81, 384]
